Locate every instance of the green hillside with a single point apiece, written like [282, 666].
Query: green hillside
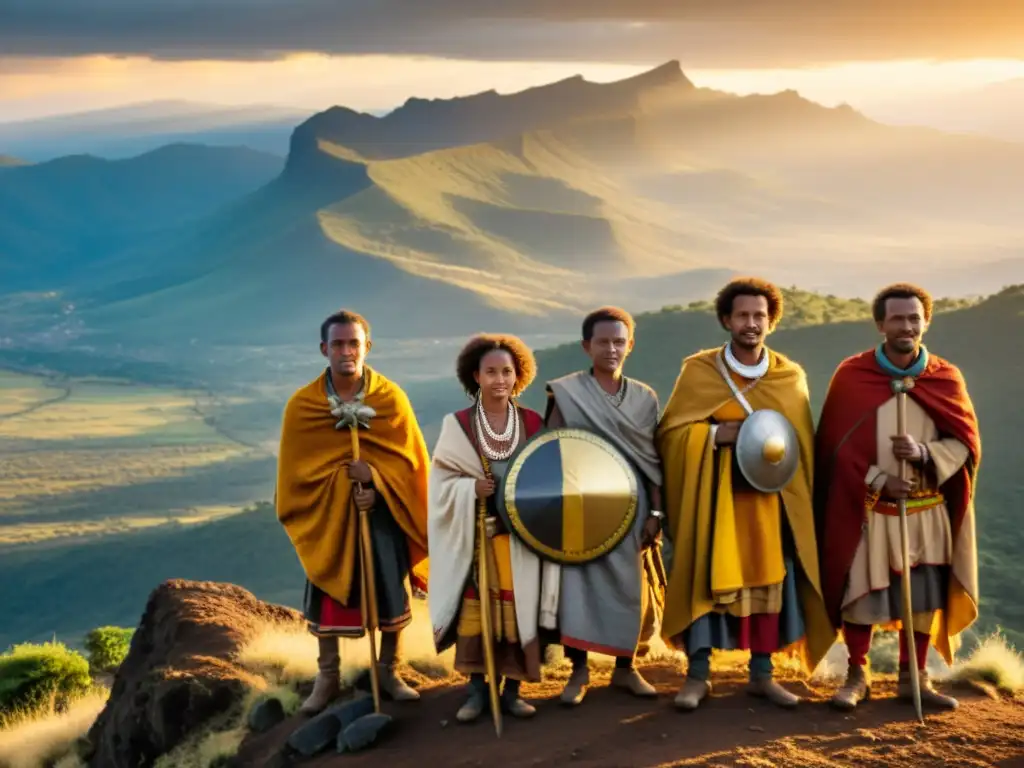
[60, 219]
[524, 223]
[251, 549]
[982, 339]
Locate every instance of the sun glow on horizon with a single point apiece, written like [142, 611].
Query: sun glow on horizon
[40, 87]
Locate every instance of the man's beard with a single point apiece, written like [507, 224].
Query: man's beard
[905, 346]
[745, 343]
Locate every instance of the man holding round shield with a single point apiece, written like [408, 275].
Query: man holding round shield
[736, 441]
[887, 490]
[610, 605]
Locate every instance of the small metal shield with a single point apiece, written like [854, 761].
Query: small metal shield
[569, 495]
[767, 450]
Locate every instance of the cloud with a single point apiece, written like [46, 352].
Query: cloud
[702, 33]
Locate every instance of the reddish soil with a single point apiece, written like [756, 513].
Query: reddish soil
[731, 729]
[177, 677]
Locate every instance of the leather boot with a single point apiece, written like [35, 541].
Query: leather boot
[328, 678]
[856, 689]
[767, 688]
[692, 693]
[390, 682]
[630, 679]
[576, 687]
[513, 704]
[929, 696]
[476, 703]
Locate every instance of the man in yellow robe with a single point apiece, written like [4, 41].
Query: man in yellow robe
[744, 569]
[321, 488]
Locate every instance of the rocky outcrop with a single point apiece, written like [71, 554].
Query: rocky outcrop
[180, 671]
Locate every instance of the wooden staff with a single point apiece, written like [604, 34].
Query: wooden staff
[368, 591]
[900, 387]
[486, 624]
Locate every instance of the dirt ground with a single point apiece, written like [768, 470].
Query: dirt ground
[611, 728]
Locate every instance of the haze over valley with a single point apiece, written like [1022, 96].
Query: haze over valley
[157, 307]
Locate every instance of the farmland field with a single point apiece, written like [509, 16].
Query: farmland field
[87, 457]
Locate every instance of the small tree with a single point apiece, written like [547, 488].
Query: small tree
[41, 677]
[107, 648]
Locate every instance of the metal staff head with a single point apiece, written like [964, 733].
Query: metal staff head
[351, 414]
[902, 386]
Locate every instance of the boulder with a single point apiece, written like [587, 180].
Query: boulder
[180, 671]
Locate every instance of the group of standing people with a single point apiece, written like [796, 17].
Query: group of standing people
[714, 562]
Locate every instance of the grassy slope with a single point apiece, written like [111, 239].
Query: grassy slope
[981, 339]
[252, 550]
[60, 216]
[594, 211]
[87, 457]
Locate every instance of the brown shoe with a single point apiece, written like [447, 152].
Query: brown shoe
[631, 680]
[856, 689]
[576, 687]
[766, 688]
[929, 696]
[328, 680]
[394, 686]
[692, 694]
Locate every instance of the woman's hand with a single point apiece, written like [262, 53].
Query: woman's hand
[484, 488]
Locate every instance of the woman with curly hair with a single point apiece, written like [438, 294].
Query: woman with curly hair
[493, 370]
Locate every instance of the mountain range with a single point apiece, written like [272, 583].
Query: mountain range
[122, 132]
[521, 211]
[60, 219]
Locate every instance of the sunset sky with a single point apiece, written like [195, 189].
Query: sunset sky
[373, 54]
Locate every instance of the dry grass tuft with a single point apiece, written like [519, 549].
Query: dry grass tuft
[993, 662]
[45, 739]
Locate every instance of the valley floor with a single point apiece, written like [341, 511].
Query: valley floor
[732, 729]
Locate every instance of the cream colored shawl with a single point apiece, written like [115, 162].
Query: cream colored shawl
[451, 536]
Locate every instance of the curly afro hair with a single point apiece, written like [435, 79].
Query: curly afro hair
[750, 286]
[901, 291]
[469, 359]
[606, 314]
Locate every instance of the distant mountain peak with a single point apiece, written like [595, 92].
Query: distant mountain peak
[425, 124]
[669, 73]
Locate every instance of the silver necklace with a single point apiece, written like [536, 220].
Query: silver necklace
[746, 371]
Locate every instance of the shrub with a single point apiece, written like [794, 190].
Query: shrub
[107, 647]
[39, 677]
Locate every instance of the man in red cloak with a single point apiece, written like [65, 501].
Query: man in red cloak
[858, 490]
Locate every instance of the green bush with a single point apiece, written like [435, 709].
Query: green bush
[107, 647]
[41, 677]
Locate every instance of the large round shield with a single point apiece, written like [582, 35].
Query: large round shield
[569, 495]
[767, 450]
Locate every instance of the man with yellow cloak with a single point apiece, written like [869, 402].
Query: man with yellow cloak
[744, 567]
[322, 487]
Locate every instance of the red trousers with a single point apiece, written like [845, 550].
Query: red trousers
[858, 640]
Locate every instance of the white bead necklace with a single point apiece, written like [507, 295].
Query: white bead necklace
[507, 440]
[507, 433]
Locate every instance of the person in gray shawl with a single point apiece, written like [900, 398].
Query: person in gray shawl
[611, 605]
